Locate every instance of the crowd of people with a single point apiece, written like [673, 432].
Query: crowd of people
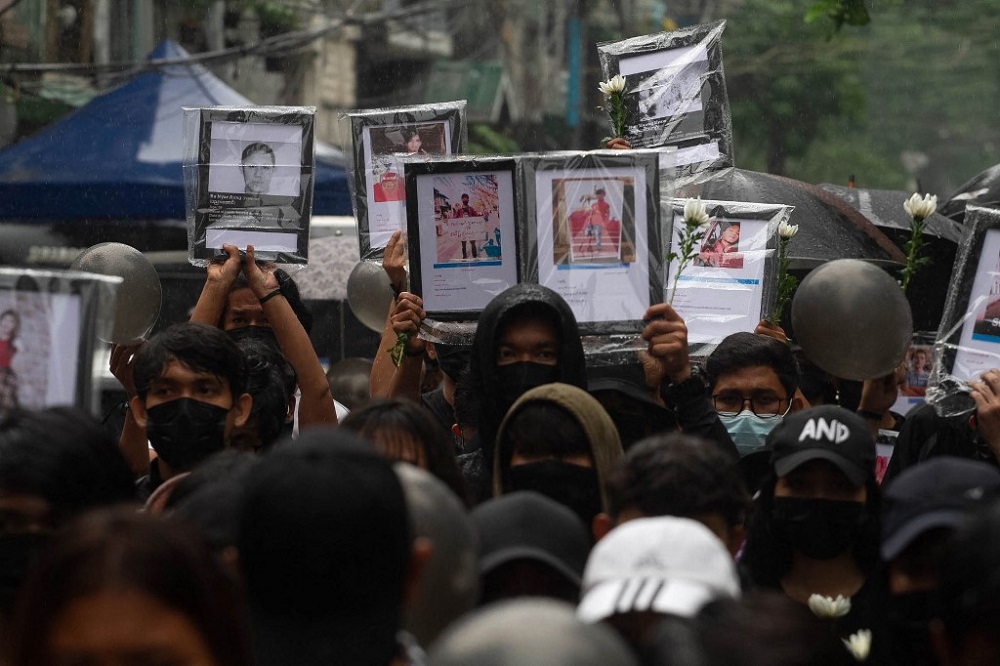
[532, 506]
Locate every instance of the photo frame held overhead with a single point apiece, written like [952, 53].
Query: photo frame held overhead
[249, 181]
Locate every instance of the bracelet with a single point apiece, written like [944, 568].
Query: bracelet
[267, 297]
[870, 415]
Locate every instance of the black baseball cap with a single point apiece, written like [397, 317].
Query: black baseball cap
[828, 433]
[528, 525]
[937, 493]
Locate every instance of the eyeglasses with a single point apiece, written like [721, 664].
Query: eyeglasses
[764, 404]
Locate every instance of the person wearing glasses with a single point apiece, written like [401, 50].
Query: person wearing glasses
[752, 381]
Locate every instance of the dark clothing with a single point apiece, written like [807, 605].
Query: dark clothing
[434, 401]
[925, 435]
[146, 485]
[519, 300]
[477, 475]
[695, 413]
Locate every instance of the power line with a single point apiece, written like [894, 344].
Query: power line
[277, 45]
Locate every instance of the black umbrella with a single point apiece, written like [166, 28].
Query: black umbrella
[885, 209]
[829, 228]
[929, 285]
[982, 190]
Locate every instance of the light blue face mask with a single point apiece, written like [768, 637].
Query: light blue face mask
[747, 430]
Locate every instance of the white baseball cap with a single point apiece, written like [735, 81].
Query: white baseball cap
[666, 565]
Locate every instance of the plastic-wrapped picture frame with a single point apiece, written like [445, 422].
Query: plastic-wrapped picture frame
[461, 233]
[968, 339]
[378, 138]
[591, 230]
[730, 284]
[248, 180]
[675, 92]
[50, 322]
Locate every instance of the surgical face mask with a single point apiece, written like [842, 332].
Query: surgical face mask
[185, 431]
[749, 431]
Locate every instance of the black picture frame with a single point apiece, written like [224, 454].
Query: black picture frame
[454, 276]
[552, 182]
[376, 138]
[234, 200]
[668, 106]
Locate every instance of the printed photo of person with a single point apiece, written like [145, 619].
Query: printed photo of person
[720, 246]
[257, 166]
[467, 218]
[10, 324]
[588, 218]
[918, 370]
[389, 187]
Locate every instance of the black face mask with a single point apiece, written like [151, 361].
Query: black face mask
[909, 617]
[18, 553]
[185, 432]
[573, 486]
[514, 379]
[818, 528]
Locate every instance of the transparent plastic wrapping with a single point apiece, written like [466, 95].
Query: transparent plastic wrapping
[917, 362]
[378, 136]
[675, 93]
[50, 322]
[968, 340]
[730, 283]
[590, 230]
[248, 180]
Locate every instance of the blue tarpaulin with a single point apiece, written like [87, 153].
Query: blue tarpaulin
[120, 155]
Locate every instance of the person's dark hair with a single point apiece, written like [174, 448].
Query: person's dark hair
[600, 190]
[969, 577]
[750, 350]
[289, 290]
[254, 148]
[270, 381]
[63, 455]
[200, 347]
[542, 429]
[125, 550]
[384, 419]
[409, 132]
[677, 475]
[768, 558]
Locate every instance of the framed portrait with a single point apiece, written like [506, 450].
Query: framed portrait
[918, 363]
[675, 94]
[729, 285]
[49, 322]
[461, 233]
[593, 232]
[249, 181]
[968, 339]
[381, 138]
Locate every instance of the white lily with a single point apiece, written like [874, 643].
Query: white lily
[859, 644]
[615, 84]
[920, 208]
[786, 230]
[829, 608]
[695, 213]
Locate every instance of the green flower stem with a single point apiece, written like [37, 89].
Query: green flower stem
[913, 247]
[618, 114]
[689, 239]
[786, 283]
[398, 350]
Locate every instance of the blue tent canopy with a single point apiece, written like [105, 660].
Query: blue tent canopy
[120, 155]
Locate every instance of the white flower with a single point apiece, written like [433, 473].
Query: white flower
[920, 208]
[615, 84]
[828, 608]
[786, 230]
[695, 213]
[859, 644]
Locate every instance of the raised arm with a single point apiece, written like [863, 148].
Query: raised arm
[316, 404]
[133, 442]
[394, 264]
[219, 278]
